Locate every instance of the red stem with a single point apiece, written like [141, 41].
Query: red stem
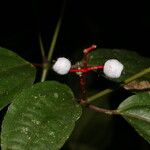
[89, 49]
[83, 70]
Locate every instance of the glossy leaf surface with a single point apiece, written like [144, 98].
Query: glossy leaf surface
[136, 110]
[40, 118]
[15, 75]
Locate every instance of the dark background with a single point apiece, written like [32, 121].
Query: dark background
[108, 25]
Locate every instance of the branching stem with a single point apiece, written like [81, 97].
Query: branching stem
[98, 109]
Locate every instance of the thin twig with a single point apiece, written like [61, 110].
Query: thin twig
[98, 109]
[42, 48]
[53, 43]
[136, 76]
[107, 91]
[100, 94]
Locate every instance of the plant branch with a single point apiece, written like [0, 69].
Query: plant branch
[107, 91]
[98, 109]
[136, 76]
[42, 48]
[53, 43]
[100, 94]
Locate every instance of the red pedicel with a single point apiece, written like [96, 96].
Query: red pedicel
[89, 49]
[86, 69]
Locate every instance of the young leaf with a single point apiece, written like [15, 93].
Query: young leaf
[15, 75]
[133, 63]
[41, 117]
[136, 110]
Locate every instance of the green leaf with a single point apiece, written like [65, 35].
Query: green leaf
[41, 117]
[136, 110]
[15, 75]
[133, 63]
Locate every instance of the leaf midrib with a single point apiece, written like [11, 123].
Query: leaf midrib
[135, 117]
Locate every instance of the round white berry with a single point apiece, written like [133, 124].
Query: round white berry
[113, 68]
[62, 66]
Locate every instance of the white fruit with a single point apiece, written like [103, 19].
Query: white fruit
[113, 68]
[62, 66]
